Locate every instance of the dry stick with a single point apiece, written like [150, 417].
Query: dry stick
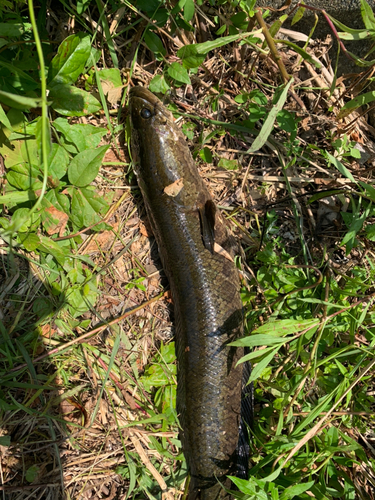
[272, 46]
[29, 487]
[86, 335]
[276, 56]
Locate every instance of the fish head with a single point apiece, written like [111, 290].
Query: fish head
[157, 144]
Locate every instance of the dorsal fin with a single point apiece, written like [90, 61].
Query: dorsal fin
[207, 219]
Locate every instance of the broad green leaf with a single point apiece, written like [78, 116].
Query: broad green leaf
[58, 161]
[204, 48]
[286, 326]
[193, 55]
[29, 240]
[228, 164]
[355, 103]
[85, 166]
[262, 365]
[370, 231]
[251, 487]
[189, 10]
[154, 43]
[5, 120]
[206, 155]
[299, 14]
[269, 122]
[262, 339]
[159, 85]
[111, 83]
[111, 75]
[72, 101]
[70, 60]
[80, 300]
[359, 35]
[369, 190]
[50, 246]
[24, 177]
[15, 197]
[367, 15]
[87, 207]
[32, 473]
[190, 58]
[10, 29]
[79, 136]
[19, 101]
[296, 490]
[340, 167]
[179, 73]
[5, 440]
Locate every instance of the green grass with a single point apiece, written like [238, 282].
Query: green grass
[87, 362]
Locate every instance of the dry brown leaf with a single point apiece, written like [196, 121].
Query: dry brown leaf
[174, 188]
[103, 241]
[59, 226]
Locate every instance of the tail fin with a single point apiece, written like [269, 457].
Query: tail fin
[247, 421]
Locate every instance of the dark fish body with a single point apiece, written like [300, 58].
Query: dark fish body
[205, 291]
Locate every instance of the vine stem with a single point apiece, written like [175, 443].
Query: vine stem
[44, 121]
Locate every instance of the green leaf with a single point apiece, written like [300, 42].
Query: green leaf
[58, 161]
[32, 473]
[267, 127]
[305, 55]
[24, 177]
[370, 232]
[80, 301]
[87, 206]
[30, 241]
[228, 164]
[79, 136]
[5, 440]
[72, 101]
[19, 101]
[85, 166]
[15, 197]
[340, 167]
[206, 155]
[50, 246]
[286, 326]
[295, 490]
[10, 29]
[70, 60]
[260, 367]
[367, 15]
[179, 73]
[154, 43]
[355, 103]
[159, 85]
[190, 57]
[5, 120]
[287, 121]
[298, 15]
[189, 10]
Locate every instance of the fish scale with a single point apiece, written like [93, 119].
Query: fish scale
[205, 290]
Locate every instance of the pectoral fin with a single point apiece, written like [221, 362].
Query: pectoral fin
[207, 220]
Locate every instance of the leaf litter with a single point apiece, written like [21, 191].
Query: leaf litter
[89, 409]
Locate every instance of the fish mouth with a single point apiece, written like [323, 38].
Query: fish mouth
[144, 94]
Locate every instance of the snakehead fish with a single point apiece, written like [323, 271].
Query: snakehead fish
[195, 249]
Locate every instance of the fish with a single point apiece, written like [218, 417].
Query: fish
[197, 252]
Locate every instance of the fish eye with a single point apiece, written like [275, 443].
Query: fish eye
[146, 113]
